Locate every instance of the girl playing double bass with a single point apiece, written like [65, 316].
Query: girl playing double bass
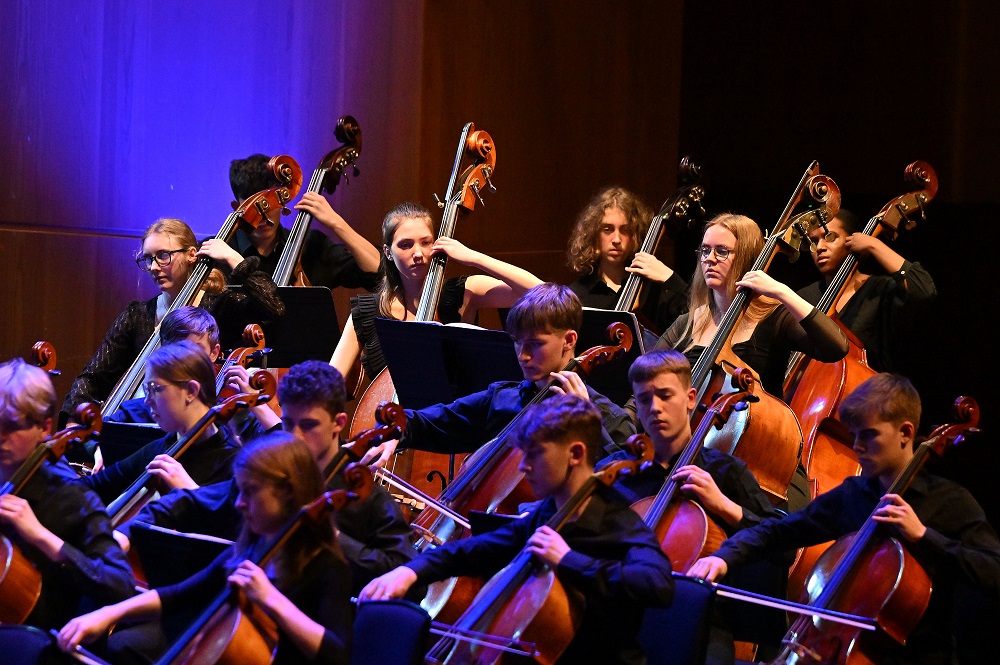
[60, 526]
[408, 245]
[169, 253]
[305, 589]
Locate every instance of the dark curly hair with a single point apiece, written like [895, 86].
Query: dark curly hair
[313, 382]
[583, 253]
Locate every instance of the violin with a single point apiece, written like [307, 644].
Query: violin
[683, 207]
[253, 337]
[683, 528]
[766, 436]
[490, 480]
[526, 601]
[142, 490]
[814, 390]
[464, 189]
[325, 178]
[250, 213]
[233, 631]
[870, 574]
[20, 581]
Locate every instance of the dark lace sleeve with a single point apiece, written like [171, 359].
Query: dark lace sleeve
[118, 350]
[452, 298]
[257, 302]
[364, 311]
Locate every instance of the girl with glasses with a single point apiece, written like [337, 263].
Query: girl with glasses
[168, 254]
[180, 389]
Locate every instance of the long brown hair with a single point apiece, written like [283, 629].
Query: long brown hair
[184, 361]
[391, 284]
[284, 461]
[583, 253]
[749, 243]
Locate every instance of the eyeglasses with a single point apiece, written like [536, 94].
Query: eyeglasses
[721, 253]
[153, 388]
[162, 258]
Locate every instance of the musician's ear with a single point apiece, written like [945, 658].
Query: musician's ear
[339, 422]
[577, 453]
[46, 428]
[569, 339]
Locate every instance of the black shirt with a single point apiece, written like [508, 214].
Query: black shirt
[660, 303]
[615, 562]
[325, 262]
[95, 572]
[207, 461]
[959, 548]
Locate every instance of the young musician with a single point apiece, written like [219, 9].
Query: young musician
[603, 251]
[408, 246]
[353, 264]
[606, 553]
[374, 536]
[305, 589]
[543, 324]
[720, 483]
[197, 325]
[180, 390]
[60, 526]
[777, 320]
[872, 304]
[169, 253]
[937, 521]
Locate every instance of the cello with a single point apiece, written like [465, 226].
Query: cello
[43, 355]
[870, 574]
[814, 390]
[490, 480]
[526, 600]
[766, 436]
[251, 212]
[142, 491]
[683, 206]
[421, 468]
[231, 630]
[263, 381]
[20, 581]
[681, 525]
[325, 178]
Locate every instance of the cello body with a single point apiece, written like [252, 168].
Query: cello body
[238, 634]
[20, 584]
[685, 531]
[892, 588]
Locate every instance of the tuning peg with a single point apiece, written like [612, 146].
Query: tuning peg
[440, 204]
[486, 174]
[475, 190]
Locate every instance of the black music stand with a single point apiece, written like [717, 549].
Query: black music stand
[432, 363]
[308, 331]
[119, 440]
[611, 380]
[169, 556]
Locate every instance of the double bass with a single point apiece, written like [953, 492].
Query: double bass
[251, 212]
[421, 468]
[766, 436]
[682, 207]
[870, 574]
[20, 581]
[325, 178]
[526, 600]
[814, 390]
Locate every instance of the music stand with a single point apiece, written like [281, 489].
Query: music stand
[119, 440]
[169, 556]
[611, 380]
[308, 331]
[432, 363]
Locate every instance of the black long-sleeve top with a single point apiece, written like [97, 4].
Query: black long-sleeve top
[207, 461]
[660, 303]
[321, 591]
[326, 263]
[615, 562]
[95, 571]
[374, 535]
[132, 329]
[471, 421]
[771, 343]
[873, 312]
[959, 547]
